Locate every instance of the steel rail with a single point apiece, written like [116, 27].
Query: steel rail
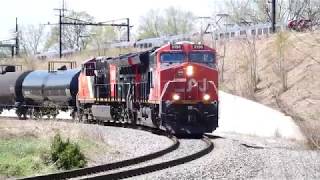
[156, 167]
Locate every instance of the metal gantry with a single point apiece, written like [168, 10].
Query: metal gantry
[79, 22]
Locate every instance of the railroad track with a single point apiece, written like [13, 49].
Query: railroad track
[155, 166]
[101, 171]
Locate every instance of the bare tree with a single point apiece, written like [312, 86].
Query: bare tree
[172, 22]
[304, 9]
[247, 11]
[260, 10]
[281, 44]
[221, 72]
[31, 38]
[177, 21]
[253, 62]
[101, 37]
[73, 36]
[151, 24]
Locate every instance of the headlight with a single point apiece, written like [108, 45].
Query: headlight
[206, 97]
[175, 97]
[189, 71]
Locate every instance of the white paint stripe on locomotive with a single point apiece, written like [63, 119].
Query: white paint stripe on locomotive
[164, 89]
[214, 86]
[90, 86]
[161, 97]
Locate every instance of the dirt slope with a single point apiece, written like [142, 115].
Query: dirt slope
[300, 53]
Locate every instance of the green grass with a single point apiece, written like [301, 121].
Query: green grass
[24, 157]
[28, 156]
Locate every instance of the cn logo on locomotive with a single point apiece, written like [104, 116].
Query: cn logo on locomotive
[194, 83]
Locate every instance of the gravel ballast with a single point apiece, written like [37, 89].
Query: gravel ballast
[245, 157]
[186, 147]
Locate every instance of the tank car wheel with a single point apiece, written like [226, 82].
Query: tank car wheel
[21, 112]
[74, 115]
[21, 116]
[35, 114]
[54, 114]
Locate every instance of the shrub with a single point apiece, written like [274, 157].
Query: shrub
[66, 155]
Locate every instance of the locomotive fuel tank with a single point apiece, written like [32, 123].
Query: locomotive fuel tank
[10, 89]
[58, 87]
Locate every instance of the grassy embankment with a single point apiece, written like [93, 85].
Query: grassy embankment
[26, 156]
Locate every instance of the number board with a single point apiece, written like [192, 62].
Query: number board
[197, 46]
[176, 46]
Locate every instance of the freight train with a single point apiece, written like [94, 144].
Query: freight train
[173, 87]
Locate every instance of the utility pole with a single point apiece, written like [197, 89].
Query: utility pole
[273, 16]
[128, 29]
[17, 38]
[61, 14]
[60, 33]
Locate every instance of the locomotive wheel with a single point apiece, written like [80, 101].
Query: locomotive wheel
[155, 119]
[134, 118]
[125, 116]
[37, 115]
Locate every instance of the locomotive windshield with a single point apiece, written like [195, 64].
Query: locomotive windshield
[171, 57]
[202, 57]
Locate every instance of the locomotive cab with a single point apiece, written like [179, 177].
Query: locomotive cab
[188, 85]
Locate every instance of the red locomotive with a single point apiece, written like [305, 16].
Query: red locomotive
[174, 87]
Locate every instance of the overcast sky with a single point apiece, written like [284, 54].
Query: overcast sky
[41, 11]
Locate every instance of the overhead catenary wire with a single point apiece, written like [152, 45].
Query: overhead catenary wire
[79, 22]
